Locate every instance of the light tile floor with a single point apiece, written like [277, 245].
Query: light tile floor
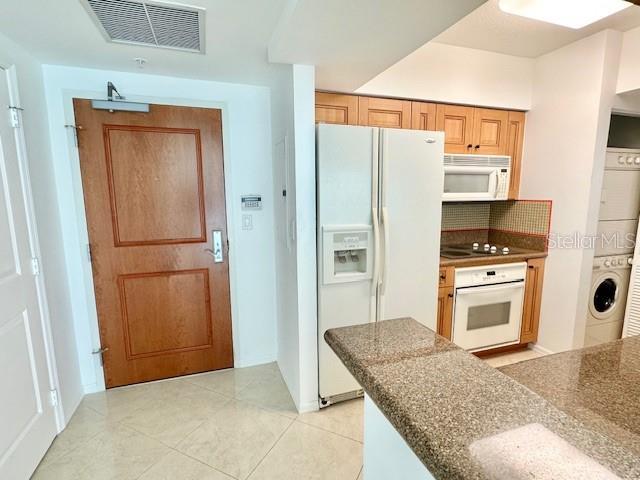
[503, 359]
[231, 424]
[238, 423]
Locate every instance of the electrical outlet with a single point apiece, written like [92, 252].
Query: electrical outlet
[247, 222]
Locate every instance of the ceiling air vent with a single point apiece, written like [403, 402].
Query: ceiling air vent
[155, 24]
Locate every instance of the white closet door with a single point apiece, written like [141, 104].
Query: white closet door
[632, 312]
[27, 418]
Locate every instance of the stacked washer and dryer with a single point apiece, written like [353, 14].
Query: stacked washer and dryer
[617, 227]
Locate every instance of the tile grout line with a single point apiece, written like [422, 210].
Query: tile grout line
[329, 431]
[269, 451]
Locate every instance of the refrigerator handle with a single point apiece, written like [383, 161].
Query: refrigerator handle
[385, 265]
[376, 252]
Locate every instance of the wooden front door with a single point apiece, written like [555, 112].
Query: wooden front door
[154, 194]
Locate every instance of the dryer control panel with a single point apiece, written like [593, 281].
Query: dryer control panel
[611, 262]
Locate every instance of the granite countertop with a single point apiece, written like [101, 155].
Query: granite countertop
[519, 256]
[447, 404]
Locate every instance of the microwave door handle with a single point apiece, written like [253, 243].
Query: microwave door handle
[490, 288]
[493, 184]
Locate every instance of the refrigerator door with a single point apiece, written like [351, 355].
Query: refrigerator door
[347, 168]
[410, 194]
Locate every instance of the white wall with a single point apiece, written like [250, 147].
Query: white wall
[446, 73]
[305, 167]
[284, 217]
[293, 113]
[248, 169]
[565, 141]
[47, 219]
[629, 75]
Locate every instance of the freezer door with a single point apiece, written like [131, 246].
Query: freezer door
[411, 191]
[347, 166]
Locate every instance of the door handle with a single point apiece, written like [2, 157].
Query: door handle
[216, 252]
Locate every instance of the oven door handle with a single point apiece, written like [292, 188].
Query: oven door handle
[490, 288]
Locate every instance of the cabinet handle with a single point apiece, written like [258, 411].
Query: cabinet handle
[450, 295]
[470, 146]
[477, 147]
[530, 266]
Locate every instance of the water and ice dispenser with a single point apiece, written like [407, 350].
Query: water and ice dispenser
[347, 253]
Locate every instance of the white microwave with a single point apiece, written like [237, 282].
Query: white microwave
[476, 177]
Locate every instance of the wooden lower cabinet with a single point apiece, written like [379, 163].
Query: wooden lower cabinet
[532, 300]
[445, 311]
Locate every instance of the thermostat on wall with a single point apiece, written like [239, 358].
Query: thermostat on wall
[251, 202]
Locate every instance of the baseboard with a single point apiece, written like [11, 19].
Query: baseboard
[537, 348]
[252, 362]
[91, 388]
[308, 407]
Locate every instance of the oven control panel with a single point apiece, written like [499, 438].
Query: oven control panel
[490, 274]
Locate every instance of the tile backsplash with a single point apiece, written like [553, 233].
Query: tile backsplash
[526, 217]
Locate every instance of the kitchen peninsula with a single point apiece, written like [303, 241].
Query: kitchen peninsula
[432, 410]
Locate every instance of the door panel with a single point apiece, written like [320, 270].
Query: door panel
[27, 419]
[163, 304]
[423, 116]
[384, 112]
[457, 124]
[411, 206]
[336, 108]
[515, 142]
[168, 160]
[490, 131]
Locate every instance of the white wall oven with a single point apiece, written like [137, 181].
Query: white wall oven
[488, 305]
[476, 177]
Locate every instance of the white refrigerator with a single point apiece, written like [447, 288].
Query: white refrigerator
[379, 211]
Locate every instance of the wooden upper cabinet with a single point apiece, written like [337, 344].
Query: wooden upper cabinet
[515, 140]
[490, 131]
[423, 116]
[456, 122]
[532, 300]
[384, 112]
[336, 108]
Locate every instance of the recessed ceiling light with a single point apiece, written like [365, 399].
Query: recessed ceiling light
[568, 13]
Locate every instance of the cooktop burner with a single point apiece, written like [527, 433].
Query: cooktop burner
[473, 250]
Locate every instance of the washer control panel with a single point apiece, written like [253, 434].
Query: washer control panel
[616, 261]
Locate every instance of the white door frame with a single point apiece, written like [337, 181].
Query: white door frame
[25, 178]
[81, 218]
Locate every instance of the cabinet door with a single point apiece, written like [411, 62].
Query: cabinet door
[336, 108]
[457, 124]
[490, 131]
[532, 300]
[445, 311]
[384, 112]
[514, 149]
[423, 116]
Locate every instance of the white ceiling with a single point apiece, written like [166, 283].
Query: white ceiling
[61, 32]
[352, 41]
[488, 28]
[349, 41]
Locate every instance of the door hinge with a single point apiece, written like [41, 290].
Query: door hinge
[89, 256]
[14, 116]
[100, 351]
[53, 396]
[75, 131]
[35, 266]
